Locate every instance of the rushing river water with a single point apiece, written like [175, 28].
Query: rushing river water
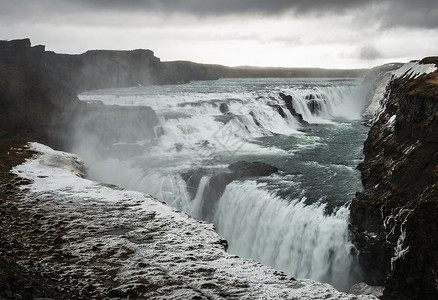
[294, 220]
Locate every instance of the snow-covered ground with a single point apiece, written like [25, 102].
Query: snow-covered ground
[126, 243]
[378, 94]
[414, 70]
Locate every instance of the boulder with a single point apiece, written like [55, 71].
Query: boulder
[223, 107]
[310, 97]
[362, 288]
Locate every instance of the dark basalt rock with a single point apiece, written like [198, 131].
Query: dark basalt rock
[192, 179]
[256, 121]
[33, 102]
[281, 112]
[244, 168]
[239, 170]
[236, 171]
[314, 102]
[310, 97]
[219, 180]
[223, 107]
[225, 118]
[394, 220]
[288, 100]
[314, 106]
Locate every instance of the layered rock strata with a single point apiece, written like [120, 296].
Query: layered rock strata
[394, 220]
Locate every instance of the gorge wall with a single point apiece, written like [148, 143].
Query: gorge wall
[393, 221]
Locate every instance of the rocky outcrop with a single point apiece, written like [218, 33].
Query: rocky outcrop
[393, 221]
[99, 69]
[33, 101]
[113, 128]
[239, 170]
[288, 100]
[220, 179]
[38, 95]
[315, 102]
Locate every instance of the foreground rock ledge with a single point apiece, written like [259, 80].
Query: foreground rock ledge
[99, 241]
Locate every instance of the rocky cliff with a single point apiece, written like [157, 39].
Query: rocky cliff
[38, 94]
[97, 69]
[33, 101]
[394, 220]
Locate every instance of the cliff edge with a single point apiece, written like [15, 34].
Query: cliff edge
[393, 221]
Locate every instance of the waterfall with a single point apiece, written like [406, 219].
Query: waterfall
[296, 238]
[204, 126]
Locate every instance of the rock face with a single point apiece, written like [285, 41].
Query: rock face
[33, 101]
[394, 220]
[99, 69]
[38, 94]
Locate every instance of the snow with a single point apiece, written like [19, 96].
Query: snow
[399, 252]
[378, 95]
[376, 107]
[414, 70]
[391, 121]
[148, 247]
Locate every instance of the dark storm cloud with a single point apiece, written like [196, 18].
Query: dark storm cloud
[216, 7]
[389, 13]
[421, 13]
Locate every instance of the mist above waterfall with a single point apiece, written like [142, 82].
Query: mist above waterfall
[295, 219]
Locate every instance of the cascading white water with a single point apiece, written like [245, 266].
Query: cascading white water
[296, 223]
[291, 236]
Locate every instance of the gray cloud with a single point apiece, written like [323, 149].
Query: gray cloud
[215, 7]
[369, 52]
[389, 13]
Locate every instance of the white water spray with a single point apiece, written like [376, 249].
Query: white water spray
[293, 237]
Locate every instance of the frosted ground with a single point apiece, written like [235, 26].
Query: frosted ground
[127, 243]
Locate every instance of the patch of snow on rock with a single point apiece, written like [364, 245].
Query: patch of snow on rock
[414, 70]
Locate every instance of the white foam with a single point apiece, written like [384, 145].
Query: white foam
[293, 237]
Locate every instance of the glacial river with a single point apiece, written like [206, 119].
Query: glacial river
[294, 220]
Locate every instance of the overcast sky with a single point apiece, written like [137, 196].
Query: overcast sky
[285, 33]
